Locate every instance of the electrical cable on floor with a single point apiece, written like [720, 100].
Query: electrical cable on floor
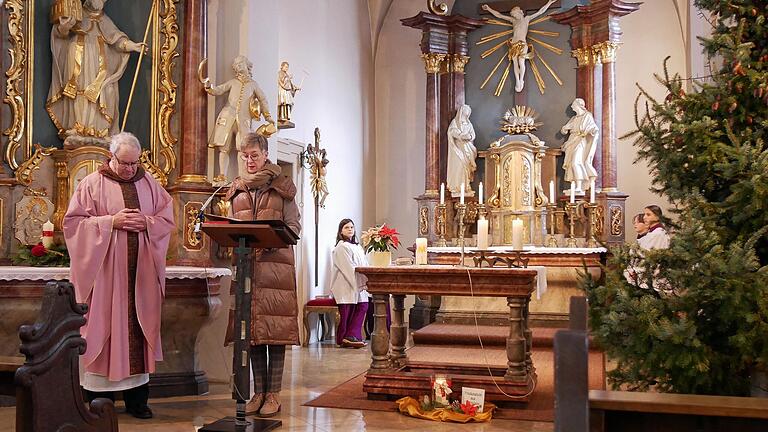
[531, 381]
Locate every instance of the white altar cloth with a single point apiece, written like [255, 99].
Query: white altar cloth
[526, 250]
[9, 273]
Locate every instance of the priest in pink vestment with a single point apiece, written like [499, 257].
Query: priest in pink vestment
[117, 230]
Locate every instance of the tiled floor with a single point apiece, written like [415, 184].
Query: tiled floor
[309, 372]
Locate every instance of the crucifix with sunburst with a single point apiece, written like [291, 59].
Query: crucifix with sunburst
[520, 46]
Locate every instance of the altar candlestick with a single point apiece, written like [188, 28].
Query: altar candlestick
[47, 237]
[592, 192]
[442, 193]
[551, 191]
[461, 199]
[517, 234]
[480, 194]
[482, 234]
[421, 251]
[573, 192]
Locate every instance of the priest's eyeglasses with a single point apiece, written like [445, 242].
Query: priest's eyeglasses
[126, 164]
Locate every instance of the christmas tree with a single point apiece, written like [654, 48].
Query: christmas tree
[696, 318]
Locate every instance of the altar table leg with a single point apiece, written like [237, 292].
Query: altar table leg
[398, 331]
[517, 370]
[528, 336]
[380, 337]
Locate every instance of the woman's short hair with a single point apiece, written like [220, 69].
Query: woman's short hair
[657, 211]
[121, 139]
[640, 217]
[255, 140]
[340, 237]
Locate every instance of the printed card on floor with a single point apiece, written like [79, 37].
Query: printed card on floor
[474, 395]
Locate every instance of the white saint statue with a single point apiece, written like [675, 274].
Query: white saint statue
[580, 147]
[89, 57]
[461, 150]
[245, 102]
[286, 90]
[517, 45]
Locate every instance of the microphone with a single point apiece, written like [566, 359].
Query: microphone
[200, 214]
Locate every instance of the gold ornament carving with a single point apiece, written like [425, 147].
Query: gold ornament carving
[617, 220]
[432, 62]
[423, 221]
[14, 90]
[440, 221]
[169, 28]
[605, 52]
[600, 220]
[191, 240]
[584, 57]
[437, 9]
[62, 199]
[28, 167]
[154, 170]
[459, 62]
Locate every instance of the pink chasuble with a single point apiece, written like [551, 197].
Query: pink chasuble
[99, 271]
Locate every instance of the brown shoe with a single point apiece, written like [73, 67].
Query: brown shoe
[271, 405]
[253, 405]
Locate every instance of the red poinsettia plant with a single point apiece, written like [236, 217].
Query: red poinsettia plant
[380, 239]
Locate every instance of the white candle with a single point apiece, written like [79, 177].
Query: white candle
[461, 199]
[551, 191]
[421, 251]
[517, 234]
[592, 192]
[442, 193]
[482, 234]
[480, 194]
[573, 192]
[47, 237]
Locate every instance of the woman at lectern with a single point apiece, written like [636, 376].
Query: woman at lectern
[262, 193]
[348, 287]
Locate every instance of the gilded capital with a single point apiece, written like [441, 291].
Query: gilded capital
[432, 61]
[459, 61]
[583, 57]
[606, 50]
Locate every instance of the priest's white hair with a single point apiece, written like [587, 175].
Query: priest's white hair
[121, 139]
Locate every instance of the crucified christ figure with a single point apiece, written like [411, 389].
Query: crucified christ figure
[518, 47]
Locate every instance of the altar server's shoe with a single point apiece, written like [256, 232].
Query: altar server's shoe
[253, 405]
[271, 405]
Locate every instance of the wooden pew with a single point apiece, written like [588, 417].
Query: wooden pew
[8, 366]
[48, 393]
[578, 409]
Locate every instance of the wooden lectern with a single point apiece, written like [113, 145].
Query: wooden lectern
[244, 236]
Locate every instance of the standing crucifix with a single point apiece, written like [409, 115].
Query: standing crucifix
[518, 47]
[315, 156]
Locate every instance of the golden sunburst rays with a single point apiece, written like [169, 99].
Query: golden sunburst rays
[503, 38]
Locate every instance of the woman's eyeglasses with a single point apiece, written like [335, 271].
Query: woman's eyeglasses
[250, 156]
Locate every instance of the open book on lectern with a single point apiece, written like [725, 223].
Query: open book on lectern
[283, 230]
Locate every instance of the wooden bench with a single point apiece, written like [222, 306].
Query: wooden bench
[578, 409]
[8, 366]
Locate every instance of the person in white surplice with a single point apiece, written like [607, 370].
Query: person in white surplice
[348, 287]
[461, 150]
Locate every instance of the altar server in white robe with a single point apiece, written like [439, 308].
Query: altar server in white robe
[656, 237]
[348, 287]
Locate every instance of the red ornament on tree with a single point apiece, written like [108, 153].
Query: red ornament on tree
[38, 250]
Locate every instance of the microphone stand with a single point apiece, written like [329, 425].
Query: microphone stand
[201, 214]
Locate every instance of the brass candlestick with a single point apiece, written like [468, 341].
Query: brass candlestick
[461, 210]
[482, 212]
[572, 209]
[551, 240]
[592, 213]
[441, 225]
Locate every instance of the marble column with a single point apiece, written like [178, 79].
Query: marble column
[193, 154]
[609, 161]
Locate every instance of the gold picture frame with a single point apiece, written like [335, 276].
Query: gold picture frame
[19, 147]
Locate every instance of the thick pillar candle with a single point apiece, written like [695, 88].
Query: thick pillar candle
[482, 234]
[517, 234]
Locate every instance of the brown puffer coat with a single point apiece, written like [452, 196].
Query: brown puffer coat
[274, 308]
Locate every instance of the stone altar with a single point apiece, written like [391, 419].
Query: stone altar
[191, 300]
